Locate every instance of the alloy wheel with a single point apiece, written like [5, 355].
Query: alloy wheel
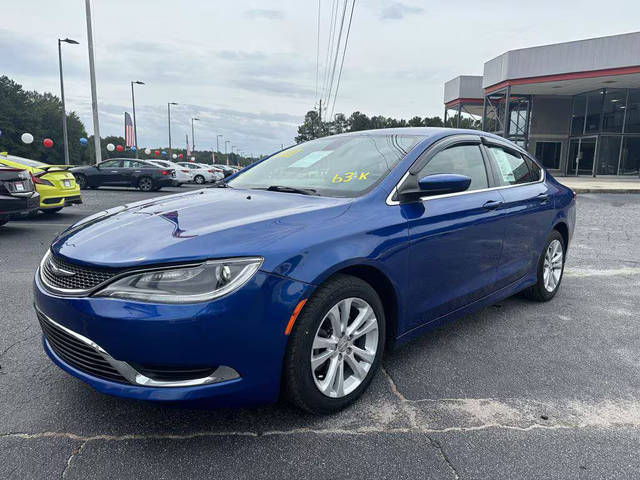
[145, 184]
[199, 179]
[344, 347]
[552, 268]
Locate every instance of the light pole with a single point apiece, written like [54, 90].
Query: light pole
[135, 124]
[193, 134]
[225, 150]
[218, 142]
[64, 112]
[94, 91]
[169, 117]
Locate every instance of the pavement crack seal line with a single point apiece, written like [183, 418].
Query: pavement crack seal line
[438, 446]
[74, 454]
[411, 412]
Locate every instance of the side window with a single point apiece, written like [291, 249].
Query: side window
[110, 164]
[512, 168]
[461, 159]
[534, 168]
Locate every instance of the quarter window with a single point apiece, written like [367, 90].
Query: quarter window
[110, 164]
[461, 159]
[512, 168]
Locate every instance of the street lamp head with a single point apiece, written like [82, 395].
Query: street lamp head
[68, 40]
[138, 82]
[196, 119]
[173, 103]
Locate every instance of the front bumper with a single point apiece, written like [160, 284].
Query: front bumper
[243, 331]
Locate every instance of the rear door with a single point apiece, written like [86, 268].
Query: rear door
[528, 209]
[455, 239]
[131, 172]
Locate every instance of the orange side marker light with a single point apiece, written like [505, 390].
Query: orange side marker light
[294, 315]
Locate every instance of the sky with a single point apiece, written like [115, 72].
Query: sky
[247, 69]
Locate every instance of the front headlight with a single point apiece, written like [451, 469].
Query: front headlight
[192, 284]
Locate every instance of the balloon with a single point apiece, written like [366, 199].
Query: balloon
[47, 142]
[180, 156]
[111, 147]
[163, 152]
[147, 151]
[174, 156]
[27, 138]
[133, 148]
[83, 141]
[157, 152]
[119, 148]
[193, 159]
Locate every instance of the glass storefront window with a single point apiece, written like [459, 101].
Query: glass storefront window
[632, 124]
[613, 110]
[577, 115]
[609, 154]
[549, 154]
[594, 112]
[630, 164]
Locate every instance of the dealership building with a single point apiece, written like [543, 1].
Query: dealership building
[575, 105]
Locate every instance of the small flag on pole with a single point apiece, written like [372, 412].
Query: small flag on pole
[128, 131]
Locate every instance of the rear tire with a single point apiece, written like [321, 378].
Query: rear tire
[315, 334]
[550, 269]
[82, 181]
[199, 179]
[145, 184]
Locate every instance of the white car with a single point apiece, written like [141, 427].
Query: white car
[182, 174]
[213, 169]
[201, 174]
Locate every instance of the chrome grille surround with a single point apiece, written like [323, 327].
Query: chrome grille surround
[65, 278]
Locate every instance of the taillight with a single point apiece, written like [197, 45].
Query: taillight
[575, 194]
[210, 171]
[185, 171]
[41, 181]
[165, 172]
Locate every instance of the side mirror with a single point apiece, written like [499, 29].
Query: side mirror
[437, 184]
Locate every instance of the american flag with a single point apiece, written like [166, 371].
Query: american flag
[129, 140]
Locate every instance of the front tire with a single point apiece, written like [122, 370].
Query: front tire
[550, 269]
[335, 347]
[82, 181]
[199, 179]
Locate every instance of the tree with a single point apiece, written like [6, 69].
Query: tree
[40, 115]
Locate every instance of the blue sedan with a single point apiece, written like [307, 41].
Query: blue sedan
[293, 278]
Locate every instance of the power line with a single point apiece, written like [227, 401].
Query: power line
[344, 51]
[318, 52]
[335, 58]
[332, 20]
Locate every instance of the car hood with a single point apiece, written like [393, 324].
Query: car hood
[209, 223]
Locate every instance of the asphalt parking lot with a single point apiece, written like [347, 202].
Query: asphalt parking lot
[518, 390]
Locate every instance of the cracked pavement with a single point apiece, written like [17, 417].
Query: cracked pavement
[518, 390]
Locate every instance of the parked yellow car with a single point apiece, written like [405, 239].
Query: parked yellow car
[57, 186]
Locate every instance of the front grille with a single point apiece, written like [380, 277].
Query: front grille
[82, 278]
[77, 353]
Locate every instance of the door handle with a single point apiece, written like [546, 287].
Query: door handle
[492, 205]
[113, 171]
[543, 197]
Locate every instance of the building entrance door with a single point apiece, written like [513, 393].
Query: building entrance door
[582, 155]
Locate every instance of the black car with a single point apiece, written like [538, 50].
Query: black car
[18, 196]
[226, 169]
[125, 172]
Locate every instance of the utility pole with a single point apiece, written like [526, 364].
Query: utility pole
[135, 124]
[218, 142]
[193, 134]
[225, 150]
[64, 110]
[169, 118]
[94, 94]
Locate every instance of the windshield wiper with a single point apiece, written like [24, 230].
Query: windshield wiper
[282, 188]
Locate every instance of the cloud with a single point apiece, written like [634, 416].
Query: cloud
[398, 10]
[264, 13]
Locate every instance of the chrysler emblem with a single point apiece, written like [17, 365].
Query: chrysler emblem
[59, 272]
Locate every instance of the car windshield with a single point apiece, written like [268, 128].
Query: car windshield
[342, 166]
[28, 163]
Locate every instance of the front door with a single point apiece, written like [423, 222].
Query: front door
[454, 240]
[582, 154]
